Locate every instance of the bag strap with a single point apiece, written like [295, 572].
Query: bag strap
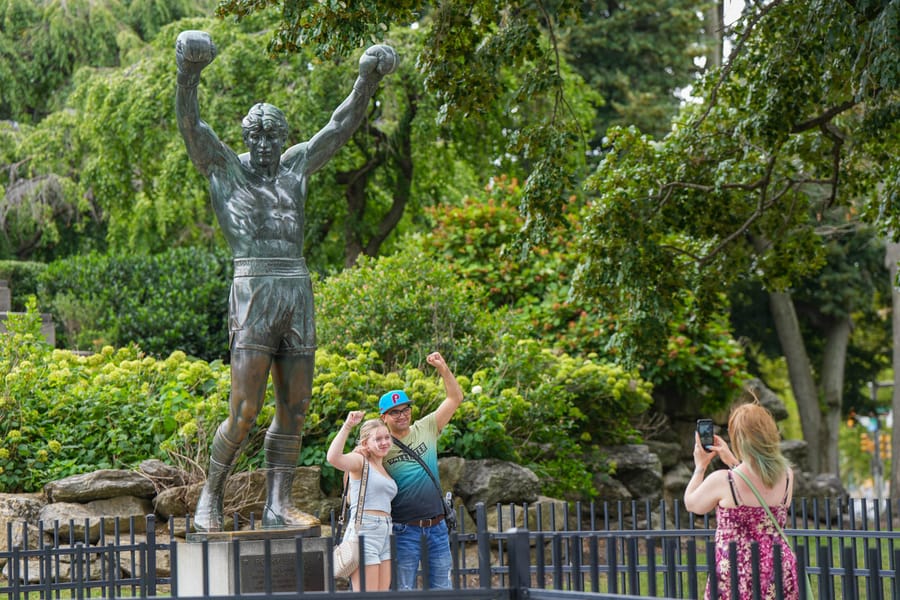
[345, 493]
[418, 459]
[361, 499]
[763, 504]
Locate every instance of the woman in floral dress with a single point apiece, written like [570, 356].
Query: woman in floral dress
[739, 516]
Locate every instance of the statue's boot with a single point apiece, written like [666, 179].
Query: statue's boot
[282, 452]
[210, 514]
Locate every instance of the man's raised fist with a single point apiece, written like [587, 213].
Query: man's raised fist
[193, 51]
[380, 58]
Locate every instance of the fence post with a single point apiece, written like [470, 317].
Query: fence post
[151, 555]
[484, 547]
[519, 563]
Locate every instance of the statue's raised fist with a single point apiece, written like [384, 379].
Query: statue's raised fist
[380, 58]
[194, 50]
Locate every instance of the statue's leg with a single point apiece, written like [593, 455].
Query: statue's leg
[249, 377]
[209, 513]
[292, 381]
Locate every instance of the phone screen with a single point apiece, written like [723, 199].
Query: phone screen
[705, 430]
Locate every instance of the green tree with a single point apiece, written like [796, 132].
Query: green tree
[47, 209]
[842, 331]
[43, 43]
[638, 55]
[799, 123]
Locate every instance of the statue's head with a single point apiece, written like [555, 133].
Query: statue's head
[265, 132]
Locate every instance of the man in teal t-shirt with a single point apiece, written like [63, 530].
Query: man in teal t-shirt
[418, 510]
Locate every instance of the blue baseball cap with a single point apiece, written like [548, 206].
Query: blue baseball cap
[392, 399]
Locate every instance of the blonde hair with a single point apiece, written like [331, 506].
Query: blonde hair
[756, 440]
[367, 430]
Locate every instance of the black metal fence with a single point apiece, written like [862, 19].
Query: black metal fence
[602, 550]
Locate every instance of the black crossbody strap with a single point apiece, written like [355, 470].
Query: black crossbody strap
[344, 496]
[418, 458]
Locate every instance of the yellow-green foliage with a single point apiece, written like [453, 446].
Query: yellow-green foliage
[66, 413]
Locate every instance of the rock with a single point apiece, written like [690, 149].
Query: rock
[70, 519]
[824, 485]
[74, 518]
[245, 494]
[495, 481]
[676, 480]
[307, 488]
[130, 511]
[131, 563]
[818, 488]
[669, 453]
[31, 568]
[162, 475]
[23, 512]
[796, 451]
[553, 515]
[755, 389]
[450, 471]
[610, 489]
[106, 483]
[638, 469]
[176, 501]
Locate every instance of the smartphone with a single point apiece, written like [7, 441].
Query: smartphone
[705, 429]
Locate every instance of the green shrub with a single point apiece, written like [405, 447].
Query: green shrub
[560, 408]
[176, 300]
[22, 279]
[65, 413]
[406, 306]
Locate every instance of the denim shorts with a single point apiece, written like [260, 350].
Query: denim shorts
[377, 533]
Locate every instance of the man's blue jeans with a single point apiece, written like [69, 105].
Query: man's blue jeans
[409, 540]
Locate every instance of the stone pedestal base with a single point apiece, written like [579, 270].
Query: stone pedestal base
[242, 567]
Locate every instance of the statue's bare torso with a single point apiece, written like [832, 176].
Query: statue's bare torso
[261, 217]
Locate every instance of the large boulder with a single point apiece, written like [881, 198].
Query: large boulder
[83, 520]
[450, 471]
[610, 489]
[23, 512]
[99, 485]
[755, 389]
[544, 514]
[638, 469]
[669, 453]
[820, 487]
[71, 520]
[68, 560]
[162, 475]
[676, 481]
[493, 481]
[796, 451]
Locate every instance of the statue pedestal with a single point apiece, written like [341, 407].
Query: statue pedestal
[236, 562]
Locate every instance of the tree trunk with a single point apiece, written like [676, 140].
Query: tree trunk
[714, 26]
[401, 157]
[800, 373]
[892, 255]
[394, 150]
[834, 360]
[355, 183]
